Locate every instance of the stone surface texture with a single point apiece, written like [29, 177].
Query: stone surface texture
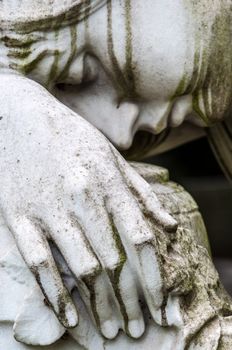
[196, 304]
[96, 251]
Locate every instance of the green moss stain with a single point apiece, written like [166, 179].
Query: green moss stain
[181, 88]
[63, 301]
[118, 74]
[24, 42]
[197, 96]
[115, 274]
[214, 57]
[54, 68]
[89, 281]
[195, 84]
[19, 49]
[64, 298]
[27, 67]
[55, 65]
[219, 72]
[188, 84]
[163, 311]
[129, 69]
[87, 5]
[73, 53]
[19, 54]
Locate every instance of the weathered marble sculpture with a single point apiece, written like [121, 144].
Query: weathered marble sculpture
[87, 245]
[196, 309]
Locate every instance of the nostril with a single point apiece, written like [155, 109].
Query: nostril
[129, 110]
[123, 130]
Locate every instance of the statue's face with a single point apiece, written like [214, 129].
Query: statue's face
[152, 67]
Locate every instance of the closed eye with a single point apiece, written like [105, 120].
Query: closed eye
[90, 72]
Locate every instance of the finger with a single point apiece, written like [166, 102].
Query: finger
[74, 246]
[146, 197]
[140, 243]
[95, 222]
[150, 172]
[96, 299]
[128, 296]
[86, 334]
[106, 308]
[106, 242]
[150, 202]
[36, 252]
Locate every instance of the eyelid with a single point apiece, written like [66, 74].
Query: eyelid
[91, 68]
[75, 72]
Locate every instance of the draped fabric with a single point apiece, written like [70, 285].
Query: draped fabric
[220, 138]
[31, 15]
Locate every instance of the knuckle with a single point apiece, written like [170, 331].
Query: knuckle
[77, 181]
[114, 267]
[39, 261]
[142, 237]
[146, 243]
[82, 191]
[90, 270]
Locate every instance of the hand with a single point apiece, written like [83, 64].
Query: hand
[63, 182]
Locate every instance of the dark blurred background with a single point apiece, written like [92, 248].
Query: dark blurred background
[195, 167]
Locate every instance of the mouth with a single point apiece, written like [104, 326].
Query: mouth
[181, 108]
[143, 142]
[151, 134]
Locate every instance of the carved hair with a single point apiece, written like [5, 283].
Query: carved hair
[22, 32]
[32, 15]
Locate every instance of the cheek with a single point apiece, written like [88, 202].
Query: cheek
[97, 103]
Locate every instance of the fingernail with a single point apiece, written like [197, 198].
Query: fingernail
[136, 328]
[171, 224]
[157, 316]
[71, 316]
[110, 329]
[172, 228]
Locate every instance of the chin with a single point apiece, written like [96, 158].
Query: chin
[142, 143]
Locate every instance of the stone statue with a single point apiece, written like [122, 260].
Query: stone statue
[88, 246]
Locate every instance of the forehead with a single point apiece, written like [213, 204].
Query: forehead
[151, 43]
[162, 42]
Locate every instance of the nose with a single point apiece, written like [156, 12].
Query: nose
[122, 129]
[154, 116]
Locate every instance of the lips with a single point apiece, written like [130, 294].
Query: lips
[182, 107]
